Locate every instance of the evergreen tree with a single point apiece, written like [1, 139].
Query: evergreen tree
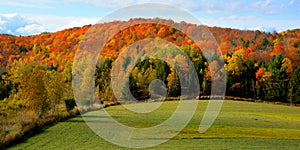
[294, 88]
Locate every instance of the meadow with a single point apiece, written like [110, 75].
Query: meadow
[240, 125]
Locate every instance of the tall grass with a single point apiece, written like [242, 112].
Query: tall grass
[17, 125]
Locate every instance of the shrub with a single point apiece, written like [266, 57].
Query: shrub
[70, 104]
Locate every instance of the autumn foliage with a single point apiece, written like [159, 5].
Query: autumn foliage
[36, 71]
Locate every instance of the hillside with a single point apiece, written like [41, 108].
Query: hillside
[36, 71]
[55, 51]
[59, 47]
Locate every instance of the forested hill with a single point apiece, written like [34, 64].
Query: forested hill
[36, 71]
[55, 52]
[57, 48]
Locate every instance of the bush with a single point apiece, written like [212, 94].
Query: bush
[70, 104]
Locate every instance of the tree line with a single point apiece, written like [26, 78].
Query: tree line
[257, 65]
[275, 80]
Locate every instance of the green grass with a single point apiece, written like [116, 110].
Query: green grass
[240, 125]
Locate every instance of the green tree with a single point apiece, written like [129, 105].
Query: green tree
[132, 86]
[103, 80]
[277, 87]
[200, 65]
[248, 78]
[294, 88]
[143, 74]
[5, 86]
[162, 70]
[265, 43]
[126, 62]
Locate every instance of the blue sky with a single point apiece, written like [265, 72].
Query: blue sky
[26, 17]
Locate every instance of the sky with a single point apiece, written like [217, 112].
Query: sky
[29, 17]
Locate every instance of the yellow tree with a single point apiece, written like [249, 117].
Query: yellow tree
[32, 90]
[54, 86]
[234, 69]
[234, 66]
[286, 62]
[173, 83]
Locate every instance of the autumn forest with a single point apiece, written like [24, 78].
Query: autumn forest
[36, 71]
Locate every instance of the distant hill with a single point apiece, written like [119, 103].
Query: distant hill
[55, 49]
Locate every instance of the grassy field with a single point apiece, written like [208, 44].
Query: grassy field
[240, 125]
